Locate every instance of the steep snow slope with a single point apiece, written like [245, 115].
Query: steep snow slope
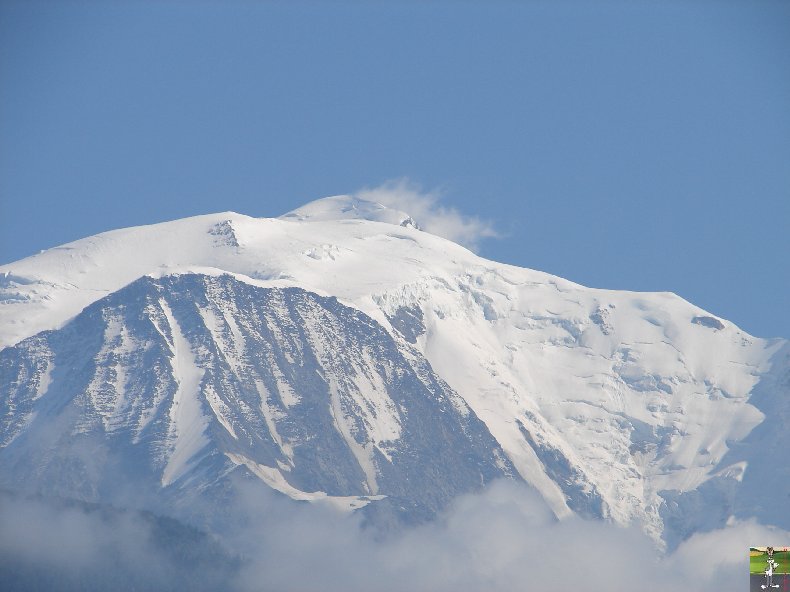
[618, 405]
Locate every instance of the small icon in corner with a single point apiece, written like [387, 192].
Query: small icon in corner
[768, 567]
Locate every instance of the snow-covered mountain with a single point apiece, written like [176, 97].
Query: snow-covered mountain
[341, 355]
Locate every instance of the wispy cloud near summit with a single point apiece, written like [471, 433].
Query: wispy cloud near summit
[424, 207]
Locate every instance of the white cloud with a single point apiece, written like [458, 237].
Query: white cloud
[424, 207]
[60, 545]
[500, 540]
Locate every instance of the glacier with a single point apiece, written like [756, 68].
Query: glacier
[340, 355]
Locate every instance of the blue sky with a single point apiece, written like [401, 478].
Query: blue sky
[632, 145]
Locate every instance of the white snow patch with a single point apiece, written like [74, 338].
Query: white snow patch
[270, 415]
[287, 395]
[378, 410]
[362, 452]
[44, 380]
[274, 479]
[220, 409]
[187, 421]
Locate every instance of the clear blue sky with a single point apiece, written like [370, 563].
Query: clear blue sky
[633, 145]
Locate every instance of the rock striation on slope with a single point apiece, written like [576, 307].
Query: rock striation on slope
[340, 354]
[174, 383]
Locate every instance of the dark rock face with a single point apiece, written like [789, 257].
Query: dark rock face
[408, 321]
[709, 322]
[177, 384]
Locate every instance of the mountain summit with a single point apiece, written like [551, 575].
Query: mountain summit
[346, 207]
[340, 355]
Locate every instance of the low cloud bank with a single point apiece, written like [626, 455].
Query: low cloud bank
[432, 217]
[69, 546]
[503, 539]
